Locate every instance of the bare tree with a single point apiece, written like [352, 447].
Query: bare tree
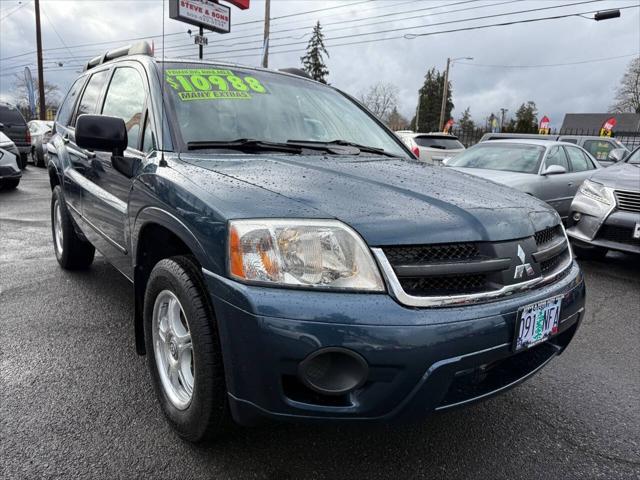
[20, 93]
[381, 99]
[627, 98]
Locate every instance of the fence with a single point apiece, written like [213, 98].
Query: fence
[469, 137]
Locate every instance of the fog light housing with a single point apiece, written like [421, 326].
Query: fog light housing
[333, 371]
[577, 216]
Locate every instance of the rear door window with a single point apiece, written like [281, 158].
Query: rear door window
[66, 109]
[579, 161]
[89, 100]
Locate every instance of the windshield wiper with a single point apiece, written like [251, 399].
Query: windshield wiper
[340, 143]
[246, 145]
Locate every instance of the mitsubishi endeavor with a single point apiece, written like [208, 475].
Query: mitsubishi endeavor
[290, 258]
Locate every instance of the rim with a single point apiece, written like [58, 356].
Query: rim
[173, 349]
[57, 227]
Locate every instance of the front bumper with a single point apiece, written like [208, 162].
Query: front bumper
[420, 359]
[614, 231]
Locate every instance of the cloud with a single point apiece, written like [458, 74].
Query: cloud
[556, 90]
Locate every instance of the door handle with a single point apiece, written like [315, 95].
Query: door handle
[65, 138]
[570, 184]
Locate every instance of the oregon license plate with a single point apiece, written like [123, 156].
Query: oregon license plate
[537, 322]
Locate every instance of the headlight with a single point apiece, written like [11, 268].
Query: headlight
[597, 192]
[301, 253]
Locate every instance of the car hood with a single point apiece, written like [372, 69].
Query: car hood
[620, 176]
[388, 201]
[499, 176]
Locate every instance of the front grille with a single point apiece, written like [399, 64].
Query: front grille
[445, 285]
[613, 233]
[626, 200]
[420, 254]
[445, 270]
[550, 265]
[548, 235]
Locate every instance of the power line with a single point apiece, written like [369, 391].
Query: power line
[179, 33]
[556, 17]
[58, 35]
[15, 10]
[581, 62]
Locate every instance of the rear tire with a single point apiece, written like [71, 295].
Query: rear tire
[9, 184]
[188, 375]
[72, 252]
[589, 252]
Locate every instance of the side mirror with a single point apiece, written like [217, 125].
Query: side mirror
[554, 170]
[617, 155]
[102, 133]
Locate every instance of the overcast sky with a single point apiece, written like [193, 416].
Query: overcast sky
[495, 78]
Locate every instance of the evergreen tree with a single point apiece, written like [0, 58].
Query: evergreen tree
[526, 120]
[466, 124]
[395, 121]
[430, 103]
[313, 61]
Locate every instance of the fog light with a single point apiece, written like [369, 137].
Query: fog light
[333, 371]
[577, 216]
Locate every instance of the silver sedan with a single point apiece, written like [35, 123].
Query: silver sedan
[549, 170]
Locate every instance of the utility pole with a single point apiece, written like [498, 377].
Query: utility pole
[200, 45]
[503, 111]
[445, 93]
[418, 111]
[267, 22]
[43, 108]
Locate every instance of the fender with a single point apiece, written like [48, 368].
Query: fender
[157, 216]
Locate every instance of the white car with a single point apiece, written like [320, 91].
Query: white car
[432, 148]
[10, 172]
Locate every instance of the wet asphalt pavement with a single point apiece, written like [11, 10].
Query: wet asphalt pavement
[76, 401]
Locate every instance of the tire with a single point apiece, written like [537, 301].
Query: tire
[589, 252]
[9, 184]
[195, 405]
[24, 159]
[72, 252]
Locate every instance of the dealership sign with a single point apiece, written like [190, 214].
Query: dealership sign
[202, 13]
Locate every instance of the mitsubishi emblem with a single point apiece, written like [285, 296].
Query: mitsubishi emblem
[525, 267]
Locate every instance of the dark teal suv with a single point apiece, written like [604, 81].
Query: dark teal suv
[290, 258]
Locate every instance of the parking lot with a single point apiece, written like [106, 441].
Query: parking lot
[77, 402]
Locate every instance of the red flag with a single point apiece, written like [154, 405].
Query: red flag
[607, 127]
[241, 4]
[544, 126]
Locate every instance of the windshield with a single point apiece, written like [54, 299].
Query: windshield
[438, 142]
[635, 157]
[511, 157]
[220, 104]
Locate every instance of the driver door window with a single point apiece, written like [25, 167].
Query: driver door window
[556, 156]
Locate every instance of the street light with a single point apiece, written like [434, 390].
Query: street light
[445, 89]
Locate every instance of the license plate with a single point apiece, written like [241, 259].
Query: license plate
[537, 322]
[636, 231]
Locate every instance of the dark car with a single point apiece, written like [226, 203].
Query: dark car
[15, 127]
[290, 259]
[605, 213]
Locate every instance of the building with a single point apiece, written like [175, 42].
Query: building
[575, 123]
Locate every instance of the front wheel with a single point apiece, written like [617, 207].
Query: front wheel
[72, 252]
[183, 350]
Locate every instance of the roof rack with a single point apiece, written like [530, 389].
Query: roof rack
[140, 48]
[296, 71]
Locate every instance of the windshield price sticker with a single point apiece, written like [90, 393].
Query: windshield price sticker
[211, 84]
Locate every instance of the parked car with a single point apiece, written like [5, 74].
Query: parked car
[41, 131]
[432, 148]
[277, 274]
[599, 148]
[15, 127]
[10, 172]
[605, 213]
[551, 171]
